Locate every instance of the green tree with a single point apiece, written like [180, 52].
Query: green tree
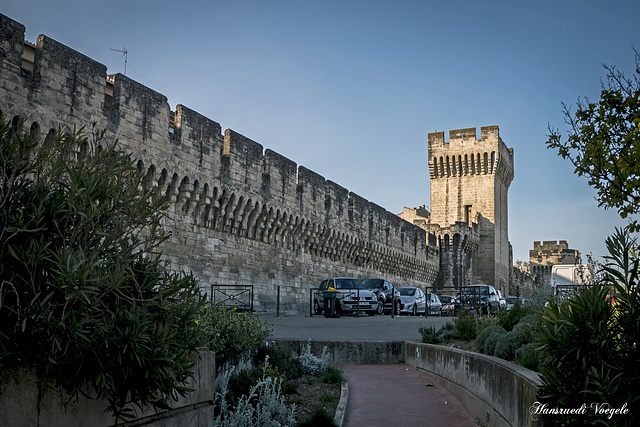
[603, 142]
[84, 294]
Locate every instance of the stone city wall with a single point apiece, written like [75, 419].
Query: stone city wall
[239, 214]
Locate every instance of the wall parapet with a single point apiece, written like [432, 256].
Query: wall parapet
[221, 182]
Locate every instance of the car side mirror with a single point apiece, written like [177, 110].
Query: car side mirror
[492, 293]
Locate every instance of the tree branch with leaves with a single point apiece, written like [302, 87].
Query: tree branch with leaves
[603, 142]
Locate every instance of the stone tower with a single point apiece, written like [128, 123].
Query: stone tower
[470, 180]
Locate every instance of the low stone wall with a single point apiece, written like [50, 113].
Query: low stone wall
[26, 401]
[350, 352]
[494, 391]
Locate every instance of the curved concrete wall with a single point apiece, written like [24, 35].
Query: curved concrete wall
[495, 391]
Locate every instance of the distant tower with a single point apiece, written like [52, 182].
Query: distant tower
[470, 182]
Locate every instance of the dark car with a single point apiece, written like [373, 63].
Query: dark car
[385, 292]
[482, 298]
[351, 296]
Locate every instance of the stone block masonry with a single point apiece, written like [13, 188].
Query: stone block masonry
[470, 181]
[239, 214]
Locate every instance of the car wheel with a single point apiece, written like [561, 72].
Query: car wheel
[316, 307]
[380, 307]
[414, 310]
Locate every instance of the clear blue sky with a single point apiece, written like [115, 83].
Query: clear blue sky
[350, 89]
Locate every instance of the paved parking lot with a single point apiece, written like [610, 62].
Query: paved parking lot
[318, 327]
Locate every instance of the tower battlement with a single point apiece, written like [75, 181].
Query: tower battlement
[470, 179]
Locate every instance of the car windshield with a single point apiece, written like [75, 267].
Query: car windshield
[445, 299]
[348, 284]
[407, 292]
[511, 300]
[372, 283]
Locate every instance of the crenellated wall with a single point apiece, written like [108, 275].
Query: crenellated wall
[239, 214]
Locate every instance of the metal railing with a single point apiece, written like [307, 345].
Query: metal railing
[238, 296]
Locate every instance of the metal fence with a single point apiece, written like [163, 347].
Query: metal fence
[238, 296]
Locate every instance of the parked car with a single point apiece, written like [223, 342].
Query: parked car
[482, 298]
[511, 301]
[385, 292]
[434, 306]
[503, 302]
[350, 295]
[448, 305]
[413, 301]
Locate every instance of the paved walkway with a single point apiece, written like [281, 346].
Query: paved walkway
[380, 395]
[396, 395]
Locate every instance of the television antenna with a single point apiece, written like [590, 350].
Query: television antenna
[124, 53]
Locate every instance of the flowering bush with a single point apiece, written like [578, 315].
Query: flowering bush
[229, 333]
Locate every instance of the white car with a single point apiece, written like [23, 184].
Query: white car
[350, 296]
[501, 300]
[412, 300]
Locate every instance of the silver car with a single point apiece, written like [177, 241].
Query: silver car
[434, 305]
[412, 300]
[350, 296]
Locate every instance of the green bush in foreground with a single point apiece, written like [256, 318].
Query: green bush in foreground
[465, 325]
[84, 295]
[482, 337]
[590, 346]
[230, 333]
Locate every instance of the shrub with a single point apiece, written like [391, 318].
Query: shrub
[429, 335]
[508, 319]
[281, 359]
[482, 337]
[446, 334]
[526, 328]
[483, 322]
[231, 334]
[590, 348]
[332, 376]
[465, 325]
[491, 342]
[320, 418]
[263, 405]
[84, 294]
[506, 346]
[528, 356]
[311, 364]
